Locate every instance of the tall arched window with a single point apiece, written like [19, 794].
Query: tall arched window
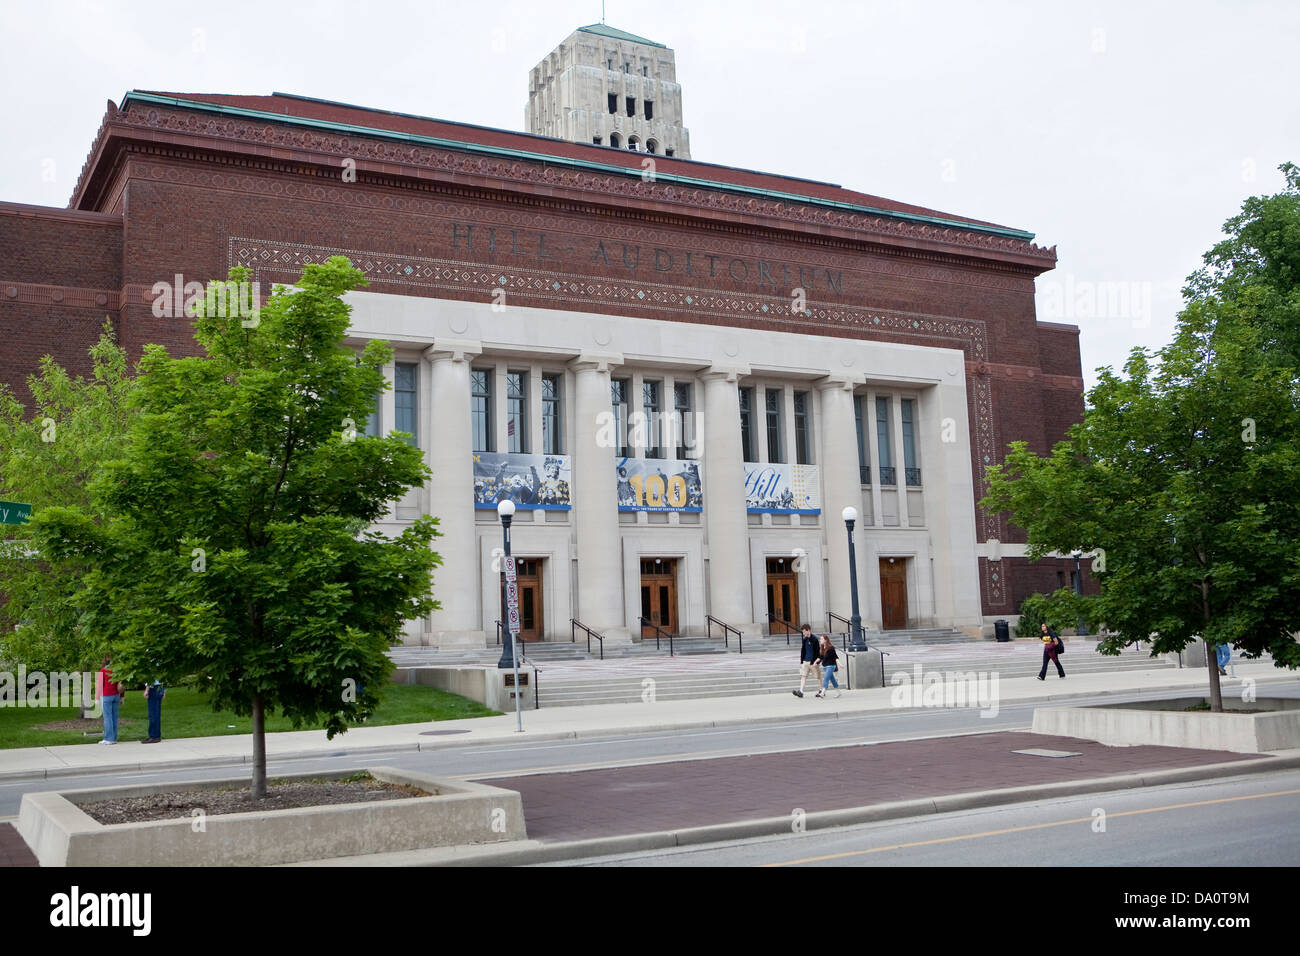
[633, 142]
[615, 140]
[651, 146]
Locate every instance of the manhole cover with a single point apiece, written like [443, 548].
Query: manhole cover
[1049, 753]
[441, 733]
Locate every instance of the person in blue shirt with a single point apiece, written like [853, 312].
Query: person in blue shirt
[153, 695]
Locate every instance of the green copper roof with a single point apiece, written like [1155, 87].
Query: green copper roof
[601, 30]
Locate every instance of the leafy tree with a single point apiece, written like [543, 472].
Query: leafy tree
[235, 553]
[48, 457]
[1257, 268]
[1184, 475]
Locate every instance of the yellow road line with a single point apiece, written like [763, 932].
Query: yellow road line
[1035, 826]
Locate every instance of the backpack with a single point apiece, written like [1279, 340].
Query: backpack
[1060, 645]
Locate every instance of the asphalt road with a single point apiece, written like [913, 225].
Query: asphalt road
[1247, 821]
[513, 758]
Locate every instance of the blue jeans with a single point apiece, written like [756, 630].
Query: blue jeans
[155, 715]
[110, 703]
[828, 677]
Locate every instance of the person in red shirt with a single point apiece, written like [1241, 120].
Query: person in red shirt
[110, 696]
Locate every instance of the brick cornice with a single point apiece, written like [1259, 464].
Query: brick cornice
[266, 141]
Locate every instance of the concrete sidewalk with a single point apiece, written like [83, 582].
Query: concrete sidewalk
[574, 722]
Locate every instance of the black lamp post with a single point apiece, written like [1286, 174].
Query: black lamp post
[506, 511]
[857, 641]
[1082, 628]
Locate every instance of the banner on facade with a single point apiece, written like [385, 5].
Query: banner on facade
[782, 489]
[659, 484]
[530, 481]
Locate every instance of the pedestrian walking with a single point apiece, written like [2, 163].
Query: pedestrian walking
[809, 658]
[110, 696]
[1051, 651]
[153, 695]
[830, 660]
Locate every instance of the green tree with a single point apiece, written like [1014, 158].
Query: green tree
[235, 553]
[1183, 476]
[48, 457]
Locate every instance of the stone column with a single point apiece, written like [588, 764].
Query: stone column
[841, 487]
[727, 522]
[451, 495]
[595, 498]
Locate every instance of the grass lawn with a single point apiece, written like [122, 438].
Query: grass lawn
[187, 713]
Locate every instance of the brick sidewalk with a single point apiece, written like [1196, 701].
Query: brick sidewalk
[668, 796]
[13, 849]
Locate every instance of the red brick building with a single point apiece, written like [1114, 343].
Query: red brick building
[809, 301]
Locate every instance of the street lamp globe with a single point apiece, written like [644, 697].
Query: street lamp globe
[850, 513]
[505, 508]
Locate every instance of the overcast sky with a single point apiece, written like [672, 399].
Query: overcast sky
[1123, 133]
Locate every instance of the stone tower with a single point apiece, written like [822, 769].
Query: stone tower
[611, 88]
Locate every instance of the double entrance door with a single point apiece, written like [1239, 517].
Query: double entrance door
[528, 579]
[782, 595]
[658, 595]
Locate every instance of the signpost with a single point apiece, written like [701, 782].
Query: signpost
[13, 512]
[512, 626]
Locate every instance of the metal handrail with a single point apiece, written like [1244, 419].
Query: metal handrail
[832, 617]
[789, 628]
[727, 629]
[574, 624]
[659, 631]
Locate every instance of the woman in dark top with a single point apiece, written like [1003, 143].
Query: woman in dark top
[829, 661]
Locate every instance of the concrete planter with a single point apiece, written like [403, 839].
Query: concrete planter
[489, 686]
[1260, 726]
[455, 813]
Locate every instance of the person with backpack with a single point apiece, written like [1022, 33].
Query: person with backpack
[829, 659]
[1053, 647]
[809, 658]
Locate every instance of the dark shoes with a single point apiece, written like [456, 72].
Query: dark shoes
[151, 740]
[798, 693]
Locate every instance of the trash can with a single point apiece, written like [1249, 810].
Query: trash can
[1002, 630]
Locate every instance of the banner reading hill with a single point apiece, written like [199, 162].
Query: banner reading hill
[234, 554]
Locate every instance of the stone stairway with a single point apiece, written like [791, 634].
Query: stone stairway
[629, 680]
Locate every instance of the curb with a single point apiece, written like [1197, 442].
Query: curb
[421, 746]
[827, 819]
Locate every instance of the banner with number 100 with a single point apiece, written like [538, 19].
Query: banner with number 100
[659, 484]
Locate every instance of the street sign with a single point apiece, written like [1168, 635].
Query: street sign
[512, 597]
[12, 512]
[512, 606]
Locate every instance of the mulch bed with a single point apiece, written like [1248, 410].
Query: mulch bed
[280, 795]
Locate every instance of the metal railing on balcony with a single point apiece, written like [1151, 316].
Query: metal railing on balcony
[913, 477]
[864, 474]
[888, 475]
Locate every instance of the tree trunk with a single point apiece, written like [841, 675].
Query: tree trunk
[1211, 658]
[259, 747]
[1216, 696]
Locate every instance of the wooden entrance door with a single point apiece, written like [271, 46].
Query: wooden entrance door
[893, 593]
[659, 594]
[782, 594]
[529, 581]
